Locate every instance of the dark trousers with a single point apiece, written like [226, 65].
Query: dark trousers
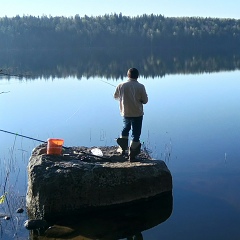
[134, 123]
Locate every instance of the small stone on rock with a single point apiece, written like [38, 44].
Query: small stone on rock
[20, 210]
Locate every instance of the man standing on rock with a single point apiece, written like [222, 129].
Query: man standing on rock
[131, 95]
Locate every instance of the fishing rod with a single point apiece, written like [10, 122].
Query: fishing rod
[107, 83]
[38, 140]
[20, 135]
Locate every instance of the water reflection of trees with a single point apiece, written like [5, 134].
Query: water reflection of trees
[113, 63]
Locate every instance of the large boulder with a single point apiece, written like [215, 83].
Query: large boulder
[75, 182]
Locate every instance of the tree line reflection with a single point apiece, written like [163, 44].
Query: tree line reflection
[113, 63]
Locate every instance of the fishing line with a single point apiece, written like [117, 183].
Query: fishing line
[80, 107]
[73, 114]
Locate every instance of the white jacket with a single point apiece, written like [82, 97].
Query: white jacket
[131, 95]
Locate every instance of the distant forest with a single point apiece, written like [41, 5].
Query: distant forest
[116, 30]
[106, 46]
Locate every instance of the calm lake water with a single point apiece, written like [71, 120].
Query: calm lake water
[191, 121]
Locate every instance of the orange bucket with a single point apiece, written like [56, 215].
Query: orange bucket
[54, 146]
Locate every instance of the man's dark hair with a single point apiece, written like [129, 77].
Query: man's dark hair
[133, 73]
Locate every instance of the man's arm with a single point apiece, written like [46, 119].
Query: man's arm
[144, 97]
[116, 94]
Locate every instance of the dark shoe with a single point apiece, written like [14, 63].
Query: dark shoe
[134, 152]
[123, 143]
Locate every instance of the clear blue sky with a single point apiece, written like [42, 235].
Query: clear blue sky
[168, 8]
